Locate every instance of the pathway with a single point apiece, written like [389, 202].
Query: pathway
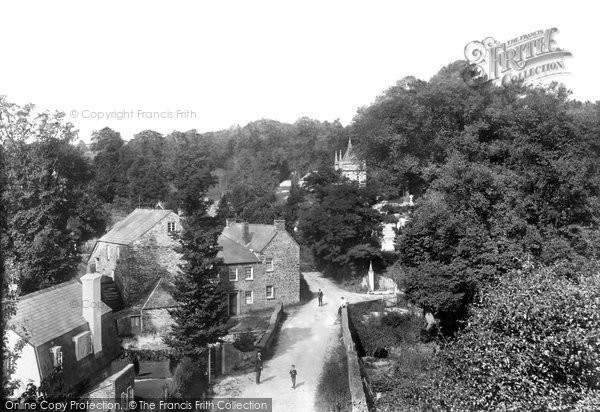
[302, 341]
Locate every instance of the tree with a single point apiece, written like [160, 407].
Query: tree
[108, 181]
[531, 344]
[50, 211]
[199, 319]
[341, 227]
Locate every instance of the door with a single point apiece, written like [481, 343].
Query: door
[233, 303]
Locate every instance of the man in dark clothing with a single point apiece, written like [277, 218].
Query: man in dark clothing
[293, 373]
[320, 295]
[258, 367]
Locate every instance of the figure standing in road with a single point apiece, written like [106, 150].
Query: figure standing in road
[293, 373]
[258, 367]
[342, 305]
[320, 296]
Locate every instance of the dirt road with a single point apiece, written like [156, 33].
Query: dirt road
[303, 341]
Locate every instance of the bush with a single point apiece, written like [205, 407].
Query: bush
[395, 328]
[189, 380]
[532, 344]
[244, 342]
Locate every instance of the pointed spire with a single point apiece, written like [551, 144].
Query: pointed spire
[349, 151]
[371, 266]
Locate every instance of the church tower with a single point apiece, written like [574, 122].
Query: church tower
[350, 166]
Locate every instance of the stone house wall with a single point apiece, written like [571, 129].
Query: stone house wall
[256, 286]
[285, 276]
[137, 266]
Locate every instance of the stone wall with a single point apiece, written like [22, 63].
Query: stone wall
[285, 276]
[151, 257]
[357, 392]
[257, 286]
[111, 388]
[135, 267]
[235, 359]
[265, 343]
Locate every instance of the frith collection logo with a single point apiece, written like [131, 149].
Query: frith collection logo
[529, 57]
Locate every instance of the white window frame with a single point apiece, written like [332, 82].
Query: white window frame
[233, 270]
[124, 403]
[130, 394]
[272, 295]
[81, 339]
[107, 252]
[57, 358]
[251, 297]
[269, 264]
[171, 225]
[251, 277]
[135, 317]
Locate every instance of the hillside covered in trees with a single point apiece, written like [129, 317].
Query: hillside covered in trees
[502, 246]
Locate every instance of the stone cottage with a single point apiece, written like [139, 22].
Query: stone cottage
[137, 252]
[262, 266]
[150, 314]
[65, 327]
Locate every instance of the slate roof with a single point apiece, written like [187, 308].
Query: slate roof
[233, 252]
[260, 235]
[134, 225]
[49, 313]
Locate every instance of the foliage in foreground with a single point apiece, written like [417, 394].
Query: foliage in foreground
[532, 344]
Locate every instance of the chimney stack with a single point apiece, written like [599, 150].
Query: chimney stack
[91, 304]
[279, 224]
[246, 233]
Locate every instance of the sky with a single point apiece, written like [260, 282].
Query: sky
[180, 65]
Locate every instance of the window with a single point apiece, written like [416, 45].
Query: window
[83, 345]
[130, 396]
[56, 355]
[107, 252]
[269, 263]
[249, 298]
[118, 253]
[270, 292]
[170, 227]
[233, 274]
[124, 403]
[249, 273]
[135, 321]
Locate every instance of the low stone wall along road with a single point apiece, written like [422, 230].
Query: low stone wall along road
[303, 341]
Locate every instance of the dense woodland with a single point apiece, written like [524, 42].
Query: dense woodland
[502, 246]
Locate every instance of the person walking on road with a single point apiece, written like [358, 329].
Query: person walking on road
[320, 296]
[342, 305]
[258, 367]
[293, 373]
